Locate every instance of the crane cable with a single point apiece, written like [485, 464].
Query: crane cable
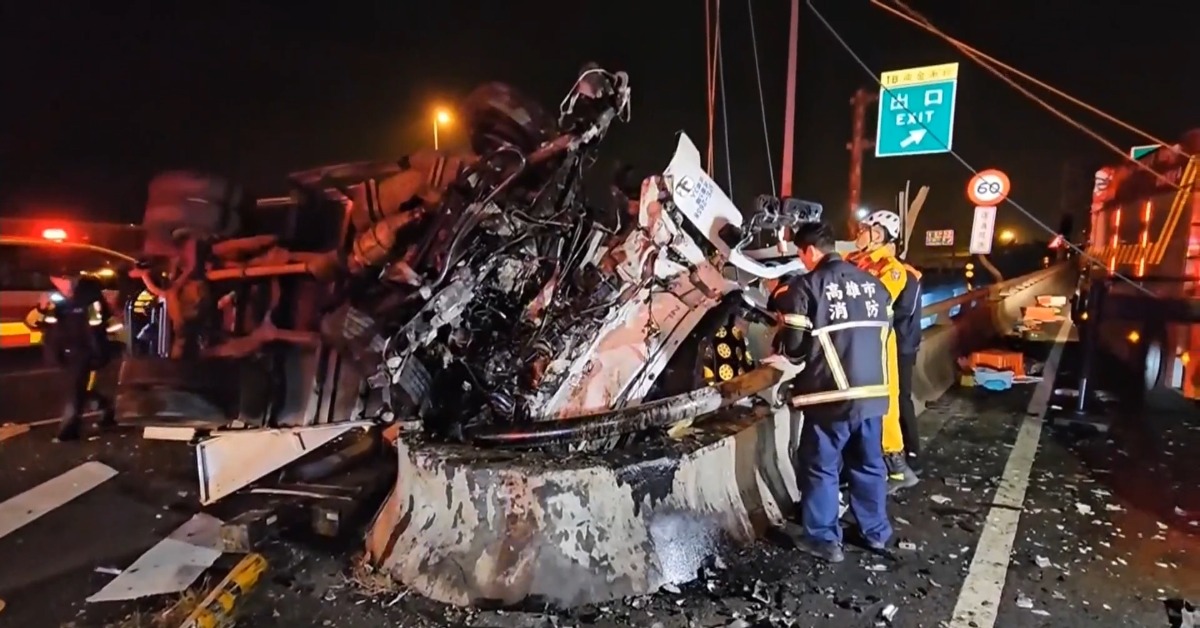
[987, 63]
[710, 68]
[724, 107]
[915, 18]
[762, 103]
[885, 90]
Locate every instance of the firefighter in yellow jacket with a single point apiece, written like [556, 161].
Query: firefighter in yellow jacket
[876, 243]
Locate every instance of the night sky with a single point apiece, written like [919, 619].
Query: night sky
[98, 96]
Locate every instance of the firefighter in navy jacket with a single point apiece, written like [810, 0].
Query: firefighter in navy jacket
[835, 320]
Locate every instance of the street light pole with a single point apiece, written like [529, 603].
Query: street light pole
[440, 117]
[857, 145]
[789, 119]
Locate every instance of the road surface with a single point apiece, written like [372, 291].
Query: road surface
[1018, 522]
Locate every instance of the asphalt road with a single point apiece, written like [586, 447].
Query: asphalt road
[1107, 529]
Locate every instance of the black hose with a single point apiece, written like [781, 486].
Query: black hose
[655, 414]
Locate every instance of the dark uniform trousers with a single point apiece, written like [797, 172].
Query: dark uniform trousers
[78, 346]
[835, 319]
[825, 445]
[908, 343]
[81, 381]
[908, 411]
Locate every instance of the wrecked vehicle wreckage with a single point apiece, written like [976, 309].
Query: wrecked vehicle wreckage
[463, 299]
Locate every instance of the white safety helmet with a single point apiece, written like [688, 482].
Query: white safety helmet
[886, 220]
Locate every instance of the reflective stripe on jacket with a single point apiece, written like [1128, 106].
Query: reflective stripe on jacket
[835, 319]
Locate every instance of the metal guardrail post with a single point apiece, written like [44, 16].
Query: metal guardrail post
[130, 329]
[163, 327]
[1091, 331]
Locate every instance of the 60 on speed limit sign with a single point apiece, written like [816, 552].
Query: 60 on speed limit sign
[988, 188]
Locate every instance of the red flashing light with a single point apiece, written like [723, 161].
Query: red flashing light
[55, 234]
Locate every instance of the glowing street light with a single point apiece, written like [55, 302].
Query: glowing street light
[1008, 236]
[862, 213]
[441, 117]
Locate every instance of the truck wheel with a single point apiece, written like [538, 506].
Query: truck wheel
[1154, 360]
[1152, 365]
[714, 352]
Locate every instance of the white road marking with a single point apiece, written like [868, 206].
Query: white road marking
[45, 497]
[979, 600]
[171, 566]
[30, 373]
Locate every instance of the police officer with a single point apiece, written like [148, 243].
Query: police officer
[907, 327]
[77, 342]
[835, 320]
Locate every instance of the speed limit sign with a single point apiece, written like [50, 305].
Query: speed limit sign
[988, 187]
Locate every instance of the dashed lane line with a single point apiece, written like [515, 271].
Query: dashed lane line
[27, 507]
[979, 600]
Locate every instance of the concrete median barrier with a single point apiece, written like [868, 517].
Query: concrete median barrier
[983, 315]
[470, 526]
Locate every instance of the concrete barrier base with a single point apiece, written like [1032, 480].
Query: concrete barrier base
[467, 526]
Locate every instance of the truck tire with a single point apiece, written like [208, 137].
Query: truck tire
[1153, 362]
[1153, 357]
[1152, 365]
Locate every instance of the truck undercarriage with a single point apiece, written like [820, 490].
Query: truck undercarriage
[476, 298]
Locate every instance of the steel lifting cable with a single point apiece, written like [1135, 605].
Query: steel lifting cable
[915, 18]
[708, 82]
[724, 106]
[959, 158]
[987, 64]
[762, 103]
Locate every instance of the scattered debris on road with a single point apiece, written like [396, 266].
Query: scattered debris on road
[171, 566]
[12, 430]
[220, 606]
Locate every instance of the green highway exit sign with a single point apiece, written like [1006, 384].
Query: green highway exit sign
[1137, 152]
[916, 111]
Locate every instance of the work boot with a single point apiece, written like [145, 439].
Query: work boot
[67, 434]
[900, 475]
[828, 552]
[108, 420]
[881, 550]
[70, 427]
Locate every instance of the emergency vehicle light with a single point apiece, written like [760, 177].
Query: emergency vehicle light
[55, 234]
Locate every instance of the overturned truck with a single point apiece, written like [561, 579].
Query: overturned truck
[458, 302]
